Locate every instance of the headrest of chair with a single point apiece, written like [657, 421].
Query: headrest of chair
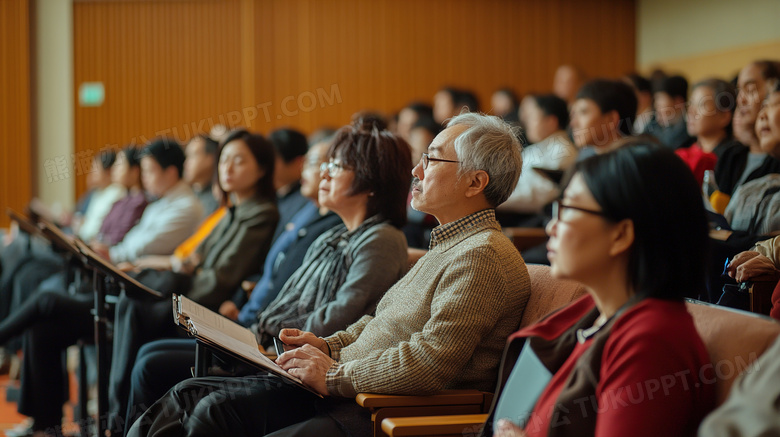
[547, 294]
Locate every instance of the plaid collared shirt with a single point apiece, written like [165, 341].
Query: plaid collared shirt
[449, 230]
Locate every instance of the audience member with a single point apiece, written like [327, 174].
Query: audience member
[755, 206]
[743, 164]
[568, 79]
[441, 326]
[584, 369]
[291, 147]
[199, 168]
[669, 97]
[105, 192]
[409, 116]
[505, 104]
[644, 97]
[601, 115]
[710, 110]
[125, 212]
[545, 119]
[444, 102]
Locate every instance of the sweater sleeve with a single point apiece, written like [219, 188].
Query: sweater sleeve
[466, 304]
[651, 373]
[214, 285]
[771, 249]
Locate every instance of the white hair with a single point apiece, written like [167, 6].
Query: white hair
[492, 145]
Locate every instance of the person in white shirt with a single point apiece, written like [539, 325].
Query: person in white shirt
[168, 221]
[545, 118]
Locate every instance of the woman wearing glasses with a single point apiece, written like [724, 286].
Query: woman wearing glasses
[626, 359]
[348, 269]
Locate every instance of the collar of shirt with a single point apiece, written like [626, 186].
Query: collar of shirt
[445, 232]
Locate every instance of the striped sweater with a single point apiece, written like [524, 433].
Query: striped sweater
[444, 324]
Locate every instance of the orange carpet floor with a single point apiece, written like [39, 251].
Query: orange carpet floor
[10, 418]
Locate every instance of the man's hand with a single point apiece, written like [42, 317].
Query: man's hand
[750, 264]
[309, 364]
[508, 429]
[229, 310]
[295, 338]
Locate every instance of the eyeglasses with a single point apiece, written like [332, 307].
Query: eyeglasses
[426, 159]
[558, 210]
[332, 168]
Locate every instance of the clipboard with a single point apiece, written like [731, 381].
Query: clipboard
[127, 282]
[226, 336]
[24, 223]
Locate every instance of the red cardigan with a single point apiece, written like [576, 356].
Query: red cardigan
[652, 378]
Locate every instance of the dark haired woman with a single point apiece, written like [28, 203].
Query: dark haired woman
[626, 359]
[126, 212]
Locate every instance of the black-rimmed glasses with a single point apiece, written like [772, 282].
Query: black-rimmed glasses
[426, 159]
[558, 211]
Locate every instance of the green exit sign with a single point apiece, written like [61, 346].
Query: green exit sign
[91, 94]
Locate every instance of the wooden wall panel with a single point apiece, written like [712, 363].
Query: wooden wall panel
[311, 63]
[168, 67]
[384, 53]
[15, 115]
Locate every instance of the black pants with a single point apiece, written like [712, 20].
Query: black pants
[136, 322]
[50, 322]
[159, 366]
[252, 405]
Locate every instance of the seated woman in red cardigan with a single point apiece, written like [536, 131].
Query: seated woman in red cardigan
[625, 359]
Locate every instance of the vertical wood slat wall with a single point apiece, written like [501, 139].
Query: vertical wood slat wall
[177, 67]
[15, 115]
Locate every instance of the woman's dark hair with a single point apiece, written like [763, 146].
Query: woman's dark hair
[289, 144]
[131, 155]
[641, 83]
[651, 186]
[106, 158]
[612, 95]
[675, 86]
[167, 153]
[550, 104]
[466, 99]
[265, 156]
[382, 163]
[769, 69]
[421, 109]
[724, 93]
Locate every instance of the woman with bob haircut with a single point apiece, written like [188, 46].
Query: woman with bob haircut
[625, 359]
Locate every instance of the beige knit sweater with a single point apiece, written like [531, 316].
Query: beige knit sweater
[444, 324]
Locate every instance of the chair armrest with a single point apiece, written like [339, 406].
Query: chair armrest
[761, 293]
[448, 397]
[524, 238]
[434, 425]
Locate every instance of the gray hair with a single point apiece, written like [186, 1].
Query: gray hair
[492, 145]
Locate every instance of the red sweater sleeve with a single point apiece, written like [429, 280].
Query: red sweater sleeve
[651, 375]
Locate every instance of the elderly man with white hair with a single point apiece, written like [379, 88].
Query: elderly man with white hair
[442, 326]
